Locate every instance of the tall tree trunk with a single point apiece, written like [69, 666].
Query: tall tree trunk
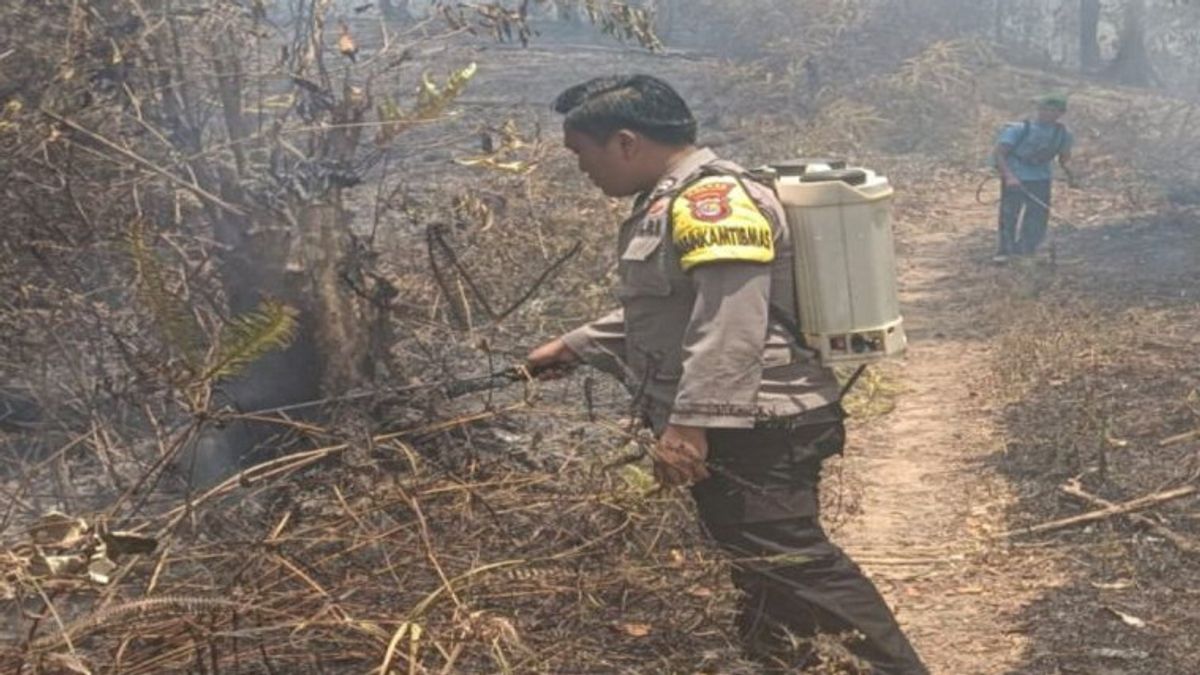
[1089, 35]
[1132, 64]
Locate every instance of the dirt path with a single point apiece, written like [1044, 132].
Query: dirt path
[928, 501]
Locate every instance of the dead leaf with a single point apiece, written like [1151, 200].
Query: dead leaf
[58, 565]
[1129, 654]
[68, 663]
[58, 529]
[1128, 619]
[346, 44]
[637, 630]
[700, 592]
[491, 163]
[100, 569]
[1115, 442]
[128, 543]
[1118, 585]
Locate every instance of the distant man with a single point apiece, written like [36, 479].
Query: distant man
[1025, 156]
[743, 414]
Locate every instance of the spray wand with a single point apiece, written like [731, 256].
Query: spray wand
[1052, 243]
[452, 388]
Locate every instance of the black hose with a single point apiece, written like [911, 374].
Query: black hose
[1051, 243]
[979, 190]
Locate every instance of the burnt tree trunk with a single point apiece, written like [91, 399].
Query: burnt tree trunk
[299, 259]
[339, 320]
[294, 252]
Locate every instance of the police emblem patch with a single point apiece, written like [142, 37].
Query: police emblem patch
[710, 202]
[716, 220]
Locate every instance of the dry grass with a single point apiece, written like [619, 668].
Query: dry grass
[1093, 377]
[497, 535]
[374, 555]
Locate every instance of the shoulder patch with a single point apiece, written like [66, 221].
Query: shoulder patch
[715, 220]
[710, 203]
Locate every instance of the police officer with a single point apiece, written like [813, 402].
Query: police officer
[742, 413]
[1025, 155]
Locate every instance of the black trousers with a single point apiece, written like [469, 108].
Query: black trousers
[762, 508]
[1023, 221]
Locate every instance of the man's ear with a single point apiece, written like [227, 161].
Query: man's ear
[628, 144]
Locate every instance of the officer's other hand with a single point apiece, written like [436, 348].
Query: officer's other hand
[1012, 181]
[680, 456]
[551, 360]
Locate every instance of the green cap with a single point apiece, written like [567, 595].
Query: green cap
[1058, 101]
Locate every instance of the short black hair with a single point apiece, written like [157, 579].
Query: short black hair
[643, 103]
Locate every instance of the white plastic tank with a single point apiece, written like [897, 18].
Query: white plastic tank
[841, 223]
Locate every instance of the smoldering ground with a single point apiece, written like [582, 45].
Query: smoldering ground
[351, 548]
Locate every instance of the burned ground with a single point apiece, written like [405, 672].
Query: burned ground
[519, 531]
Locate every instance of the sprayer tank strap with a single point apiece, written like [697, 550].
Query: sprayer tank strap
[1041, 155]
[777, 314]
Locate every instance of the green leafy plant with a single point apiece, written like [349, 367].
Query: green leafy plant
[242, 340]
[250, 336]
[180, 330]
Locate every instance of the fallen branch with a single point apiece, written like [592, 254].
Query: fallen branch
[1179, 438]
[537, 283]
[1108, 511]
[436, 238]
[145, 163]
[1184, 544]
[287, 464]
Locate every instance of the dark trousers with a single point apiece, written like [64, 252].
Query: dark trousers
[1022, 235]
[762, 508]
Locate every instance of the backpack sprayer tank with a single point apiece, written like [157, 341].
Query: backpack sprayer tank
[841, 225]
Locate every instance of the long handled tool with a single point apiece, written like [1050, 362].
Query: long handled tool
[1051, 239]
[496, 380]
[451, 389]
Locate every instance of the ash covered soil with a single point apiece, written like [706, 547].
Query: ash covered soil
[519, 531]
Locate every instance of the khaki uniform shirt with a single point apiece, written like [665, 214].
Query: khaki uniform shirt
[705, 277]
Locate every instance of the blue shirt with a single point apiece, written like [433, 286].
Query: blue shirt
[1039, 143]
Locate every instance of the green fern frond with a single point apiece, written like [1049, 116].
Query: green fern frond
[250, 336]
[180, 330]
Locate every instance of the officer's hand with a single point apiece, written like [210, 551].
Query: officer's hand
[1012, 181]
[680, 456]
[551, 360]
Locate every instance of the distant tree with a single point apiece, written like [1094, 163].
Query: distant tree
[1132, 65]
[1089, 35]
[998, 17]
